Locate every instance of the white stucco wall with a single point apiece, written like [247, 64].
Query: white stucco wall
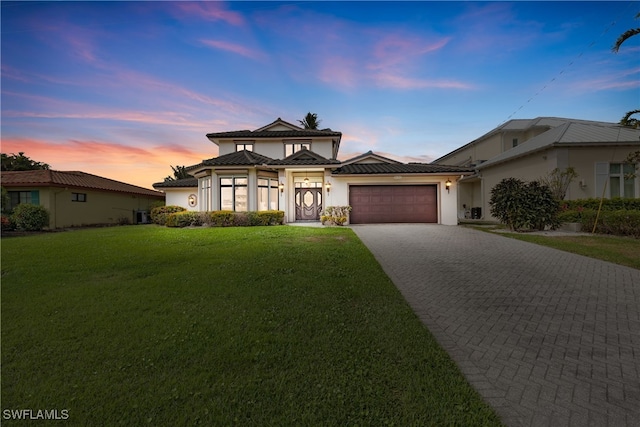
[180, 197]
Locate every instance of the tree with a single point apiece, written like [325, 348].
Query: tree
[625, 36]
[524, 205]
[634, 159]
[628, 121]
[310, 121]
[558, 181]
[179, 172]
[20, 162]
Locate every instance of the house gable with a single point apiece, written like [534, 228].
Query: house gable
[271, 140]
[305, 157]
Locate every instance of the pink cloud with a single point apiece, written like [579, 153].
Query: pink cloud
[395, 50]
[234, 48]
[208, 11]
[401, 82]
[621, 80]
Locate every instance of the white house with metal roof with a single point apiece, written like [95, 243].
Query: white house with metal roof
[281, 166]
[530, 149]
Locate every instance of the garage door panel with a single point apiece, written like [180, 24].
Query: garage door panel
[393, 203]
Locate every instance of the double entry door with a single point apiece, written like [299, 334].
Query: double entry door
[308, 204]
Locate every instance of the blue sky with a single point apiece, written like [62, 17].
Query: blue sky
[126, 89]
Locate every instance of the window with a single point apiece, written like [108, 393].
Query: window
[244, 146]
[514, 142]
[205, 193]
[17, 197]
[78, 197]
[233, 193]
[267, 194]
[612, 180]
[619, 183]
[294, 147]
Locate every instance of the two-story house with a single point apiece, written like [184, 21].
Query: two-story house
[530, 149]
[284, 167]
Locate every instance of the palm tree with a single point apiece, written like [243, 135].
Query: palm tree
[179, 172]
[310, 121]
[624, 36]
[630, 122]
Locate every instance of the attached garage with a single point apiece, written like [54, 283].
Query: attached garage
[372, 204]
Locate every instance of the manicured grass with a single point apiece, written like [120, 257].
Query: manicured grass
[144, 325]
[619, 250]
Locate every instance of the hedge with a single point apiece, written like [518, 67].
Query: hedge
[224, 218]
[160, 214]
[618, 216]
[620, 223]
[615, 204]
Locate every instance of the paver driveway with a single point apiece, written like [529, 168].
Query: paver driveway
[547, 337]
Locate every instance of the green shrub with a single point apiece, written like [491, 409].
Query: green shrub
[266, 218]
[524, 205]
[30, 217]
[620, 223]
[617, 203]
[222, 218]
[185, 219]
[241, 219]
[160, 214]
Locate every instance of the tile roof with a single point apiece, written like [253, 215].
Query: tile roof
[178, 183]
[398, 168]
[76, 179]
[305, 157]
[302, 133]
[238, 158]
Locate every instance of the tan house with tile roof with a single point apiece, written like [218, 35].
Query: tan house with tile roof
[79, 198]
[530, 149]
[281, 166]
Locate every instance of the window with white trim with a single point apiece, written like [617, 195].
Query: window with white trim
[620, 183]
[205, 193]
[615, 180]
[294, 147]
[267, 194]
[244, 146]
[233, 193]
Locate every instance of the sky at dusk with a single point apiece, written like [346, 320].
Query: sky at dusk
[124, 89]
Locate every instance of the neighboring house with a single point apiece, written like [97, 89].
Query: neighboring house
[530, 149]
[284, 167]
[79, 198]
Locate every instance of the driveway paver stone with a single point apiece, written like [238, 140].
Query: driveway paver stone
[548, 338]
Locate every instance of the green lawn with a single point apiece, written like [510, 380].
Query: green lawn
[619, 250]
[144, 325]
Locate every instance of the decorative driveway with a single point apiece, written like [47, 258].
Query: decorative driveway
[548, 338]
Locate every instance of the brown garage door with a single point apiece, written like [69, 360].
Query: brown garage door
[393, 203]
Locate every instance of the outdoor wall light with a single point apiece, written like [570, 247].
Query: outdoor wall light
[328, 186]
[448, 185]
[193, 200]
[281, 187]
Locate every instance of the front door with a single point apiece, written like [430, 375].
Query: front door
[308, 204]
